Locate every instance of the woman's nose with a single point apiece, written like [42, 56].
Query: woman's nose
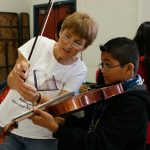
[69, 45]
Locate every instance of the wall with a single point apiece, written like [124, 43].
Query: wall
[119, 18]
[115, 19]
[15, 6]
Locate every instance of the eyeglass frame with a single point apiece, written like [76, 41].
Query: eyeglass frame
[73, 44]
[107, 67]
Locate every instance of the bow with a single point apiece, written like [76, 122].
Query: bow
[42, 26]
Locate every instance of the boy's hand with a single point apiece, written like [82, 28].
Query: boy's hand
[46, 120]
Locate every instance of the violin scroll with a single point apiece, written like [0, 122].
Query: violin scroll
[6, 130]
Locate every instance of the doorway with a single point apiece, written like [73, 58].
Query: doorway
[59, 11]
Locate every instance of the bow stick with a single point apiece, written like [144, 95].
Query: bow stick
[43, 24]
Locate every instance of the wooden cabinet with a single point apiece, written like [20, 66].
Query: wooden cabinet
[9, 42]
[24, 27]
[12, 35]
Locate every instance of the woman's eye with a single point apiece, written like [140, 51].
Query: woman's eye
[67, 36]
[79, 43]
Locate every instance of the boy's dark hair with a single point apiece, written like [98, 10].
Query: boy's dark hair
[123, 50]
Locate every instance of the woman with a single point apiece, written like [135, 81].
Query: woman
[54, 69]
[142, 38]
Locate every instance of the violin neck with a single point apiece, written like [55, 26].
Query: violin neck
[30, 113]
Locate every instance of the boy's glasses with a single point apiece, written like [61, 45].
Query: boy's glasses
[107, 67]
[74, 44]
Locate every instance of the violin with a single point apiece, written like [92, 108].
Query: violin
[79, 102]
[66, 103]
[14, 123]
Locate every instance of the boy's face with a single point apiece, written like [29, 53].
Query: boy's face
[112, 71]
[70, 44]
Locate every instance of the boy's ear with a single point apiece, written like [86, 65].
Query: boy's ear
[129, 68]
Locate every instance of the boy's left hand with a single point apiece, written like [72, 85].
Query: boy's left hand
[44, 119]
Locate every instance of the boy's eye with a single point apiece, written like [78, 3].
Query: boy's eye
[106, 66]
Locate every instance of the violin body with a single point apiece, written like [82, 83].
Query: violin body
[6, 130]
[83, 100]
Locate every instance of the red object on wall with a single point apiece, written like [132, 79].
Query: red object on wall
[58, 13]
[3, 94]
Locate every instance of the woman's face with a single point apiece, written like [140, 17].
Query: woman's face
[70, 44]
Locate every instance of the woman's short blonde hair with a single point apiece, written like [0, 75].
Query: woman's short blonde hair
[82, 25]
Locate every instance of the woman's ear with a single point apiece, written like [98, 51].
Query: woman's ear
[60, 32]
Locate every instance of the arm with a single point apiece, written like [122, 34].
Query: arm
[16, 80]
[117, 128]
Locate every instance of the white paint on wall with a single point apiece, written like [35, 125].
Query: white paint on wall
[115, 18]
[16, 6]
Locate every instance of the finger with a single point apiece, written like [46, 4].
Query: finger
[18, 72]
[59, 120]
[28, 93]
[23, 94]
[39, 111]
[36, 119]
[28, 87]
[24, 66]
[43, 113]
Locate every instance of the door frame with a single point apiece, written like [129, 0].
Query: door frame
[37, 8]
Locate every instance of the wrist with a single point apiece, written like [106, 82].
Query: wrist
[53, 127]
[37, 101]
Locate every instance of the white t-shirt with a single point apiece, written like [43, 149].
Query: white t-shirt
[51, 78]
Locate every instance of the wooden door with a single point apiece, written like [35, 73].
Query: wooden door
[58, 13]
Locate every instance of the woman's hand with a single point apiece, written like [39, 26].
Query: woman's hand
[28, 92]
[46, 120]
[18, 73]
[17, 77]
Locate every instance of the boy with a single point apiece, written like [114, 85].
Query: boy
[55, 69]
[119, 123]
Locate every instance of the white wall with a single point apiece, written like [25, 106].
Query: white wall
[115, 18]
[144, 11]
[16, 6]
